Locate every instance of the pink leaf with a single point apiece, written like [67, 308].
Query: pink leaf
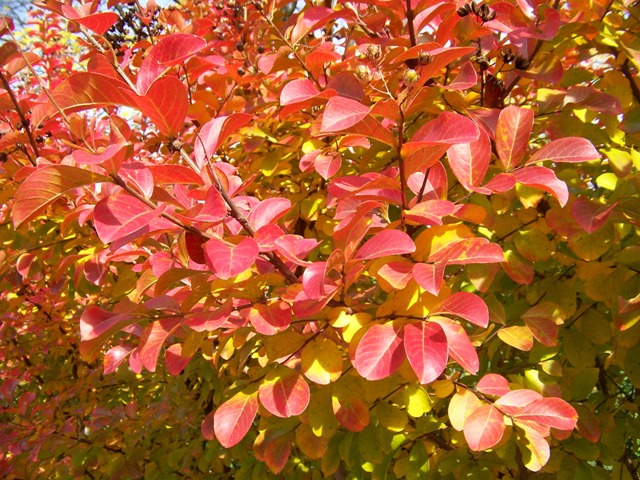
[430, 212]
[466, 305]
[493, 384]
[314, 18]
[426, 347]
[153, 338]
[269, 319]
[341, 113]
[227, 261]
[448, 128]
[174, 360]
[233, 418]
[469, 250]
[566, 150]
[396, 274]
[123, 218]
[327, 165]
[470, 161]
[298, 91]
[379, 352]
[284, 393]
[384, 243]
[466, 78]
[269, 211]
[96, 327]
[544, 179]
[215, 133]
[169, 51]
[429, 276]
[214, 208]
[484, 428]
[514, 401]
[460, 347]
[552, 412]
[591, 215]
[512, 135]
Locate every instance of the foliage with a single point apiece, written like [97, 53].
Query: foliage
[356, 239]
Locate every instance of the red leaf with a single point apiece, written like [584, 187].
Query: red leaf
[269, 319]
[469, 250]
[460, 347]
[96, 326]
[493, 384]
[114, 358]
[470, 161]
[396, 274]
[448, 128]
[430, 212]
[98, 22]
[314, 18]
[484, 428]
[384, 243]
[512, 135]
[268, 211]
[44, 186]
[429, 276]
[466, 78]
[168, 52]
[552, 412]
[426, 347]
[466, 305]
[152, 339]
[590, 215]
[122, 218]
[341, 113]
[233, 418]
[174, 174]
[174, 361]
[544, 179]
[541, 319]
[215, 133]
[328, 165]
[349, 408]
[514, 401]
[227, 261]
[214, 209]
[284, 393]
[276, 453]
[302, 90]
[379, 352]
[566, 150]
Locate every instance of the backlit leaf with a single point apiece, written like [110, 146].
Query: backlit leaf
[44, 186]
[227, 260]
[341, 113]
[380, 352]
[552, 412]
[284, 393]
[460, 347]
[426, 347]
[232, 420]
[321, 361]
[384, 243]
[466, 305]
[493, 384]
[512, 135]
[484, 428]
[566, 150]
[469, 162]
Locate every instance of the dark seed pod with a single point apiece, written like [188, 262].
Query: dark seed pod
[507, 55]
[522, 63]
[464, 10]
[424, 58]
[260, 48]
[482, 61]
[39, 139]
[240, 46]
[241, 71]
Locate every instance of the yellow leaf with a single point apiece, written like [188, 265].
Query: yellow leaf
[417, 400]
[391, 417]
[321, 361]
[434, 239]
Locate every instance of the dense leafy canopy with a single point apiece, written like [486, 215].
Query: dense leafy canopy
[375, 239]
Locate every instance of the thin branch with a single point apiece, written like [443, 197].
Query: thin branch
[626, 71]
[412, 33]
[23, 119]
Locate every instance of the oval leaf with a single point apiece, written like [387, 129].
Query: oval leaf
[426, 347]
[227, 261]
[484, 428]
[233, 418]
[379, 353]
[512, 135]
[284, 393]
[384, 243]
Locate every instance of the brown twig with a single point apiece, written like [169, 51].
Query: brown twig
[23, 119]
